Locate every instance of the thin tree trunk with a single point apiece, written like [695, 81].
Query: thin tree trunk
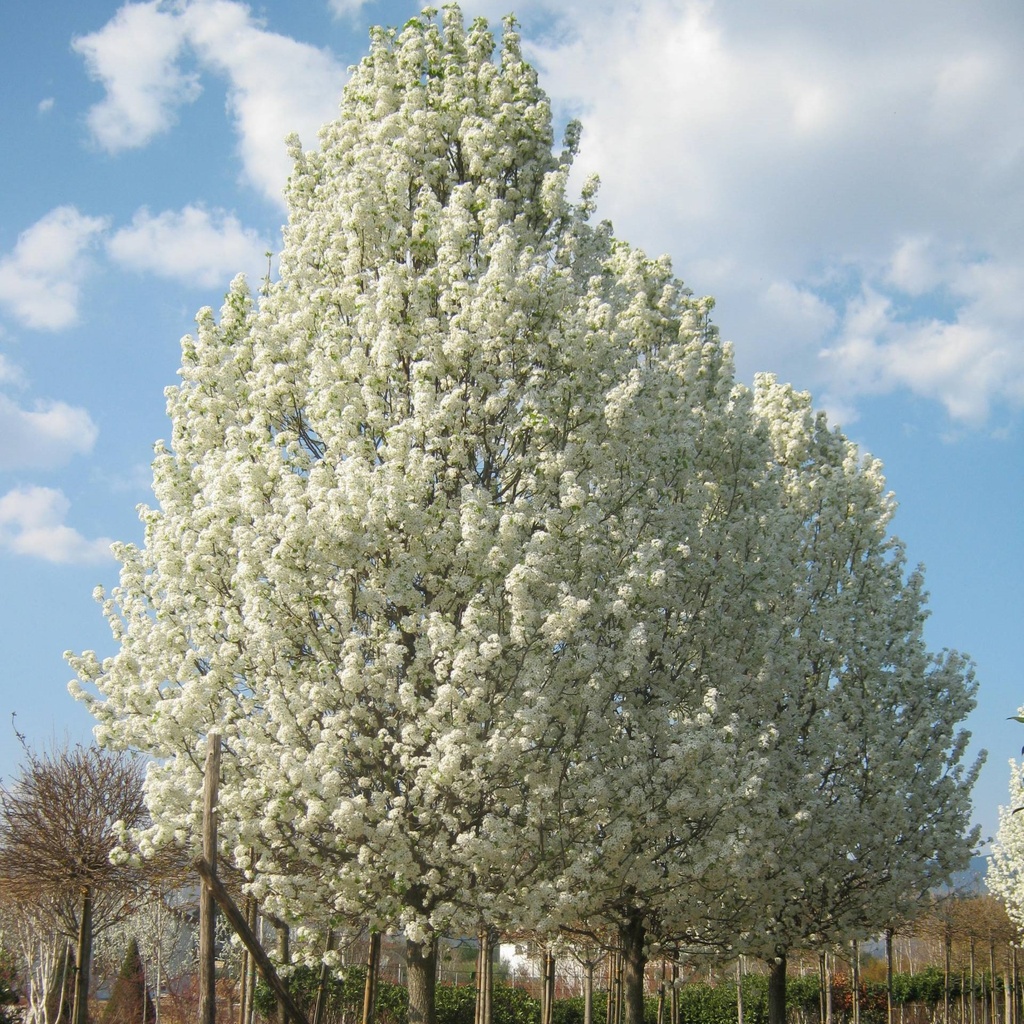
[993, 1005]
[888, 975]
[243, 974]
[777, 989]
[612, 1005]
[83, 956]
[739, 990]
[948, 942]
[372, 975]
[1015, 985]
[588, 992]
[492, 948]
[250, 980]
[856, 982]
[974, 1000]
[634, 961]
[421, 959]
[828, 988]
[284, 957]
[822, 987]
[321, 985]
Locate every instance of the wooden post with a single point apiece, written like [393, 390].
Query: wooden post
[321, 986]
[372, 975]
[207, 905]
[244, 932]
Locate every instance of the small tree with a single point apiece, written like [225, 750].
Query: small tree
[60, 822]
[130, 1002]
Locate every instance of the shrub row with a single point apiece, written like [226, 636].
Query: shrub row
[699, 1003]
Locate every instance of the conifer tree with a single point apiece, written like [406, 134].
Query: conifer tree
[130, 1002]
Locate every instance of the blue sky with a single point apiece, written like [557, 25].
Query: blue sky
[853, 198]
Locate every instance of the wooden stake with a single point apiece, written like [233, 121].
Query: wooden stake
[238, 922]
[207, 907]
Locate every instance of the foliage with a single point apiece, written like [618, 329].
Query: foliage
[1005, 877]
[130, 1000]
[344, 994]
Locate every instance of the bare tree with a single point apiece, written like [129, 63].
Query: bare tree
[61, 819]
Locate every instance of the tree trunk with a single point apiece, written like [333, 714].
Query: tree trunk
[974, 994]
[485, 976]
[80, 1014]
[372, 973]
[56, 1008]
[888, 975]
[822, 988]
[856, 982]
[634, 961]
[284, 957]
[739, 989]
[828, 989]
[325, 976]
[993, 1005]
[777, 989]
[946, 988]
[547, 988]
[421, 959]
[614, 988]
[588, 993]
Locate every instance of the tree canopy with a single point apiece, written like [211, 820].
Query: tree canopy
[468, 543]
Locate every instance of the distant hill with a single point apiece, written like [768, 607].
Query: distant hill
[972, 880]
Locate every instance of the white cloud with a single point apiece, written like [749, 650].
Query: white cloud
[346, 8]
[194, 246]
[795, 161]
[45, 105]
[968, 359]
[276, 86]
[45, 436]
[135, 56]
[32, 523]
[9, 373]
[40, 280]
[792, 159]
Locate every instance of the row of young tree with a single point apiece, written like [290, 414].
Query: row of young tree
[511, 607]
[958, 961]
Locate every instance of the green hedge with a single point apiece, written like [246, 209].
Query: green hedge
[699, 1003]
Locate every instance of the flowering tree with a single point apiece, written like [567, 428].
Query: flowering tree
[1005, 876]
[397, 496]
[866, 801]
[466, 541]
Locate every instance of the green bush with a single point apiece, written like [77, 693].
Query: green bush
[699, 1003]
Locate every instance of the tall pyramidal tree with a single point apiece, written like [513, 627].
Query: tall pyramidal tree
[412, 508]
[466, 542]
